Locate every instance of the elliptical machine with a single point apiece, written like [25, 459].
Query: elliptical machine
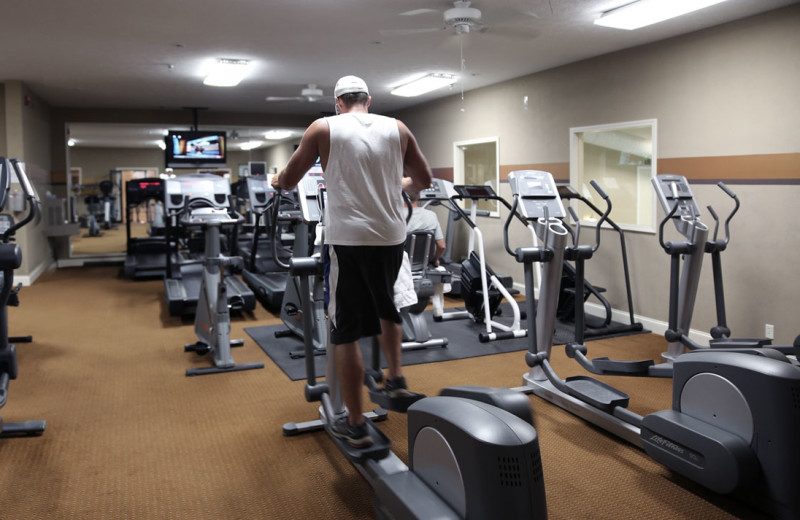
[212, 323]
[686, 256]
[184, 271]
[718, 433]
[295, 296]
[468, 459]
[10, 259]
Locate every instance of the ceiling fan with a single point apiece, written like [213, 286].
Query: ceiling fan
[310, 94]
[462, 19]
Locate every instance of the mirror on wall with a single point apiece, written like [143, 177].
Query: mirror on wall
[621, 157]
[102, 157]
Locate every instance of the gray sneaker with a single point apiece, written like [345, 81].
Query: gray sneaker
[397, 387]
[356, 436]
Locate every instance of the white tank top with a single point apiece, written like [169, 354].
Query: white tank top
[364, 182]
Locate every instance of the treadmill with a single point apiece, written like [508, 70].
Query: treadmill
[184, 273]
[146, 256]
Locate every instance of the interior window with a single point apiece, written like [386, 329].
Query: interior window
[621, 157]
[478, 162]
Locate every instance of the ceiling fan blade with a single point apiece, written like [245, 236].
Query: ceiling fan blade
[408, 32]
[279, 98]
[415, 12]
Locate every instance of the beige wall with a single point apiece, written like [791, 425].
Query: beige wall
[728, 91]
[277, 156]
[27, 138]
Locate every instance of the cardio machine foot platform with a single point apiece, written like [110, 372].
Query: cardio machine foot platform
[395, 404]
[595, 392]
[220, 370]
[379, 449]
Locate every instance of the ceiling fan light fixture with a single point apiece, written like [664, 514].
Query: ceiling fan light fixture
[423, 85]
[250, 145]
[648, 12]
[227, 73]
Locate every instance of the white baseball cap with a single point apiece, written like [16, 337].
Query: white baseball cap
[350, 84]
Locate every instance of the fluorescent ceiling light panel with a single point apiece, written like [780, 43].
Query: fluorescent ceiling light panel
[424, 85]
[647, 12]
[275, 135]
[226, 73]
[249, 145]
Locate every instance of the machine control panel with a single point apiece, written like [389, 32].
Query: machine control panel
[674, 189]
[259, 191]
[140, 190]
[440, 190]
[537, 190]
[475, 191]
[184, 188]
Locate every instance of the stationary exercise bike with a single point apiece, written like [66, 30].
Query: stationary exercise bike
[468, 458]
[10, 259]
[732, 427]
[209, 212]
[420, 246]
[482, 289]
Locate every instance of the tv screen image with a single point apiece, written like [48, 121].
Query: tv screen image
[195, 149]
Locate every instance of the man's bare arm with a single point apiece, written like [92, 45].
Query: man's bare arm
[304, 157]
[417, 175]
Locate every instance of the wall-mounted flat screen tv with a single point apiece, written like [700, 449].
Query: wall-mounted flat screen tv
[195, 149]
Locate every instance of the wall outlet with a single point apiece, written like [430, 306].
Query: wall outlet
[769, 331]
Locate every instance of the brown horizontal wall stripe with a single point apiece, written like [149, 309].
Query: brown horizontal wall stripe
[739, 169]
[757, 168]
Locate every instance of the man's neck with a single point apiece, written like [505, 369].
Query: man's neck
[355, 109]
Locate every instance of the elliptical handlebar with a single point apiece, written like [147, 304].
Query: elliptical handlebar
[727, 190]
[34, 210]
[665, 246]
[541, 253]
[276, 209]
[576, 234]
[732, 195]
[715, 244]
[604, 217]
[409, 204]
[511, 213]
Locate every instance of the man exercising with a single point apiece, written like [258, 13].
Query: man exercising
[368, 160]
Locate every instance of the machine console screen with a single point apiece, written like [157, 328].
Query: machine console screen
[475, 191]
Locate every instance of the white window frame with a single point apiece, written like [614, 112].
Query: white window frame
[458, 165]
[576, 169]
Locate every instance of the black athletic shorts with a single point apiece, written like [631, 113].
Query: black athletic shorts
[360, 287]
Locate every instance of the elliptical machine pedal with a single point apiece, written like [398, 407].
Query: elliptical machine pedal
[398, 404]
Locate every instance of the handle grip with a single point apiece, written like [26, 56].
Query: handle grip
[726, 189]
[598, 189]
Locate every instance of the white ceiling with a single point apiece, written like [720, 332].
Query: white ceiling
[151, 54]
